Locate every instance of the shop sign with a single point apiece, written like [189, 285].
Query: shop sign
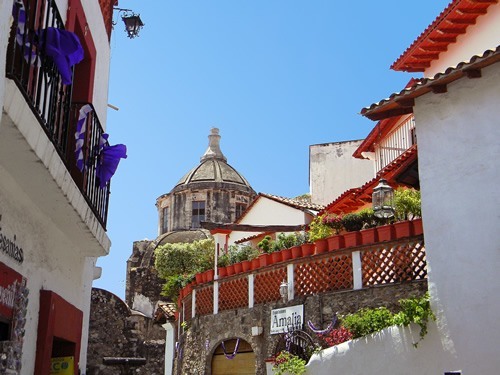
[287, 318]
[9, 247]
[62, 366]
[9, 279]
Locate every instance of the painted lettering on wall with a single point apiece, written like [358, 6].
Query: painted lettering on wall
[287, 318]
[9, 247]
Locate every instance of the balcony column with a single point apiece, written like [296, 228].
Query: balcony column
[290, 270]
[250, 290]
[169, 346]
[357, 277]
[193, 304]
[216, 297]
[221, 237]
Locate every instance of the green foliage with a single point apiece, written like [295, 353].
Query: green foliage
[407, 204]
[367, 321]
[415, 310]
[333, 221]
[265, 244]
[236, 254]
[177, 263]
[287, 363]
[318, 229]
[352, 222]
[369, 219]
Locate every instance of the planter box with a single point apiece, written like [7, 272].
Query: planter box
[307, 249]
[335, 242]
[276, 257]
[385, 233]
[199, 278]
[286, 254]
[222, 271]
[403, 229]
[417, 227]
[321, 246]
[264, 259]
[209, 275]
[368, 236]
[230, 270]
[296, 251]
[255, 263]
[238, 268]
[352, 239]
[246, 265]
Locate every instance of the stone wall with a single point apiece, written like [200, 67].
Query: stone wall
[116, 331]
[205, 333]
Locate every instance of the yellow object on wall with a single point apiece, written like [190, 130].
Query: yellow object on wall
[62, 366]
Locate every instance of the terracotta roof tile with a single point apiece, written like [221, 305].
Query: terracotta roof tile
[452, 22]
[402, 102]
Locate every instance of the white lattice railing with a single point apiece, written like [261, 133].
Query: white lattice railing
[395, 143]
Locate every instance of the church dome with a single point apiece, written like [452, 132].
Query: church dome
[213, 169]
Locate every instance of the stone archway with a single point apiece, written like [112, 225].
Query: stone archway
[243, 362]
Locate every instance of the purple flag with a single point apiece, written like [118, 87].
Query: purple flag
[109, 157]
[64, 48]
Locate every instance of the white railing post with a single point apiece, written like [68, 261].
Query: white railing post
[250, 291]
[290, 269]
[193, 303]
[356, 270]
[216, 297]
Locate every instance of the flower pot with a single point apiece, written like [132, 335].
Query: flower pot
[246, 265]
[417, 227]
[209, 275]
[403, 229]
[230, 269]
[222, 271]
[255, 263]
[297, 251]
[307, 249]
[238, 267]
[352, 239]
[276, 257]
[199, 278]
[286, 254]
[321, 246]
[385, 233]
[335, 242]
[368, 236]
[264, 259]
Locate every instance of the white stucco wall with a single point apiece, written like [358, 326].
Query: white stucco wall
[459, 149]
[333, 170]
[479, 37]
[270, 212]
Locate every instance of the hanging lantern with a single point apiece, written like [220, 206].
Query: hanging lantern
[383, 200]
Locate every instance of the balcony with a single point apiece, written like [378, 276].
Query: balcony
[41, 85]
[383, 262]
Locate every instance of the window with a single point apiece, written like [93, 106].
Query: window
[198, 214]
[239, 209]
[164, 220]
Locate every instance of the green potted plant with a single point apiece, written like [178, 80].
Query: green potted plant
[287, 363]
[368, 232]
[353, 223]
[318, 232]
[407, 207]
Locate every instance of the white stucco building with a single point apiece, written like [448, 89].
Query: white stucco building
[333, 170]
[455, 107]
[52, 214]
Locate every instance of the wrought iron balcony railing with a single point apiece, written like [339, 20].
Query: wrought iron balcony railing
[50, 100]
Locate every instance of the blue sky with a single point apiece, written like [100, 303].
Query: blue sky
[274, 76]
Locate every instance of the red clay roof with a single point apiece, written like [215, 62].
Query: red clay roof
[452, 22]
[402, 102]
[355, 198]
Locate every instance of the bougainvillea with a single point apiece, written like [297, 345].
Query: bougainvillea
[336, 336]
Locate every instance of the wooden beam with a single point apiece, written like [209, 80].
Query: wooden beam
[434, 48]
[431, 56]
[471, 11]
[452, 30]
[439, 89]
[460, 21]
[473, 73]
[252, 228]
[484, 1]
[443, 39]
[406, 102]
[380, 115]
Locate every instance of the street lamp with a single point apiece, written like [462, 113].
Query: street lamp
[383, 200]
[132, 21]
